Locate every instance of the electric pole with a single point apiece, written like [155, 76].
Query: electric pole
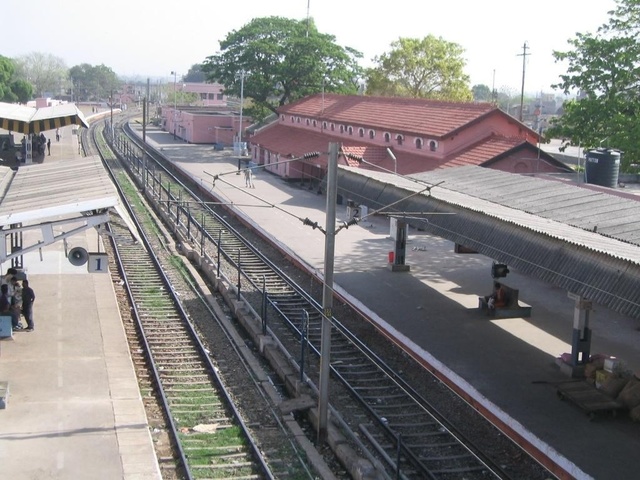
[327, 293]
[524, 63]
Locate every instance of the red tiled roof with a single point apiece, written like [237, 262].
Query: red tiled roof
[484, 151]
[430, 118]
[295, 142]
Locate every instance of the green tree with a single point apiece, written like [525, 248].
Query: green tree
[604, 70]
[276, 60]
[481, 93]
[22, 90]
[423, 68]
[47, 73]
[195, 74]
[12, 88]
[93, 83]
[7, 69]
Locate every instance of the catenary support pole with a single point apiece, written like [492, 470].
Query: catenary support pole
[327, 294]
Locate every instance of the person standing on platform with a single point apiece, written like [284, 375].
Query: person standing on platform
[49, 146]
[57, 134]
[28, 297]
[16, 299]
[8, 280]
[248, 178]
[6, 309]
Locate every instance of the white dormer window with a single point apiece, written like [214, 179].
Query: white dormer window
[387, 137]
[372, 134]
[350, 130]
[433, 145]
[419, 143]
[399, 139]
[361, 132]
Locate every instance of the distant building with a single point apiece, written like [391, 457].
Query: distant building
[203, 124]
[403, 135]
[210, 94]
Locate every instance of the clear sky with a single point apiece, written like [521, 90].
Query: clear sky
[152, 38]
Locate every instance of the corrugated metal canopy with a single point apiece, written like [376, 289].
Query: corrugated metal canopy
[39, 192]
[26, 120]
[543, 228]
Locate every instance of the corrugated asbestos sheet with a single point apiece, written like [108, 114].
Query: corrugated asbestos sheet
[41, 191]
[541, 227]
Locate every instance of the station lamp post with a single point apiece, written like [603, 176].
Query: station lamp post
[241, 74]
[175, 103]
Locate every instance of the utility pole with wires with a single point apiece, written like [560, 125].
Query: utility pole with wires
[327, 293]
[524, 54]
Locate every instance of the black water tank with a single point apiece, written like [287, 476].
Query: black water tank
[602, 167]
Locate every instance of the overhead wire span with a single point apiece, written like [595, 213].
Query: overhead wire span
[306, 156]
[361, 159]
[354, 221]
[305, 221]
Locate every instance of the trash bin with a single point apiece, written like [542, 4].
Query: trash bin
[392, 257]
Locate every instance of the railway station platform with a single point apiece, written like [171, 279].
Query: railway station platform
[508, 366]
[73, 409]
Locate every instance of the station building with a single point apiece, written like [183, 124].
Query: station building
[399, 135]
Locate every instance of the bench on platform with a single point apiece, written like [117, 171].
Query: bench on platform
[512, 309]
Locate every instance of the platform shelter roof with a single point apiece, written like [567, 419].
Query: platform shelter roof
[59, 199]
[29, 120]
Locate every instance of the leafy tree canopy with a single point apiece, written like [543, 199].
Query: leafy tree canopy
[481, 93]
[276, 60]
[604, 69]
[195, 74]
[12, 88]
[93, 83]
[425, 68]
[47, 73]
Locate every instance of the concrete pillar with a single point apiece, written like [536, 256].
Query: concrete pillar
[581, 338]
[400, 247]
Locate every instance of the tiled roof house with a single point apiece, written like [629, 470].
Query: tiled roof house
[403, 135]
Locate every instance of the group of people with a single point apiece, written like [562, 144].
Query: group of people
[16, 300]
[39, 144]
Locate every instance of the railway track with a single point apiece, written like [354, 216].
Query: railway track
[208, 421]
[406, 434]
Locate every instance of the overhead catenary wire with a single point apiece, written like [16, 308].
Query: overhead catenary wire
[305, 221]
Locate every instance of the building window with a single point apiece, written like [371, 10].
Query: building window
[315, 124]
[333, 127]
[221, 96]
[372, 134]
[399, 140]
[419, 143]
[308, 122]
[341, 128]
[282, 117]
[433, 145]
[293, 119]
[361, 132]
[350, 130]
[298, 119]
[387, 137]
[324, 125]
